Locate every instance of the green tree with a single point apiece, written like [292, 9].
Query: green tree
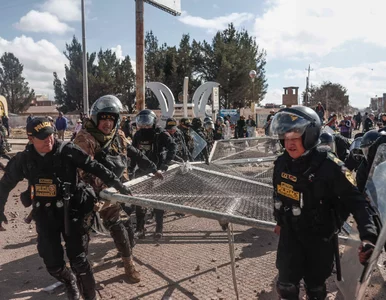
[125, 79]
[106, 75]
[228, 61]
[13, 85]
[333, 96]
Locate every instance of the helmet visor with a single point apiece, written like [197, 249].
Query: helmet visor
[284, 122]
[145, 121]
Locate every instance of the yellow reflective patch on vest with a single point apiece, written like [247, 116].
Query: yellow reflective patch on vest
[289, 176]
[287, 190]
[45, 190]
[349, 176]
[336, 160]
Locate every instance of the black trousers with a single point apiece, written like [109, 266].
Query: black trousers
[304, 256]
[50, 230]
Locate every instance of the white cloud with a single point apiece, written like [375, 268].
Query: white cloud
[273, 96]
[301, 27]
[36, 21]
[362, 81]
[40, 60]
[66, 10]
[217, 23]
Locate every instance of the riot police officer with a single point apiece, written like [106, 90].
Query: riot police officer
[102, 139]
[160, 148]
[219, 129]
[368, 142]
[209, 134]
[184, 126]
[58, 204]
[313, 195]
[197, 127]
[339, 144]
[178, 137]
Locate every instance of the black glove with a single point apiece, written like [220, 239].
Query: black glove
[124, 190]
[3, 218]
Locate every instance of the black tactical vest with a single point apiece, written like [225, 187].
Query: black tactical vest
[112, 157]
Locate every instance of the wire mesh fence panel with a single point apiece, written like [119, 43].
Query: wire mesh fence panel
[208, 189]
[245, 148]
[256, 171]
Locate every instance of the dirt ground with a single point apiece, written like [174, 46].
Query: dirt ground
[190, 262]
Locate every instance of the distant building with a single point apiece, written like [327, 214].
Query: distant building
[290, 96]
[41, 106]
[42, 100]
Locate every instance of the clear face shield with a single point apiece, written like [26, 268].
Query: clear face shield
[284, 122]
[209, 126]
[330, 145]
[145, 121]
[355, 149]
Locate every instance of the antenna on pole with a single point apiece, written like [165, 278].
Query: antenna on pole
[307, 101]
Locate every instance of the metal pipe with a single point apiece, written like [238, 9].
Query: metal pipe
[112, 195]
[140, 56]
[85, 73]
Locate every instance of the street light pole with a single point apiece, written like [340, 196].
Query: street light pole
[252, 75]
[85, 74]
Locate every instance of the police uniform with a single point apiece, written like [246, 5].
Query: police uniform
[47, 176]
[157, 144]
[184, 127]
[178, 137]
[114, 152]
[219, 131]
[197, 127]
[313, 196]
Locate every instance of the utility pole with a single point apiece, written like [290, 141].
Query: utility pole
[307, 103]
[85, 73]
[140, 56]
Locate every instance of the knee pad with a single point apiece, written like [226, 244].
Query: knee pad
[55, 271]
[317, 293]
[287, 291]
[80, 264]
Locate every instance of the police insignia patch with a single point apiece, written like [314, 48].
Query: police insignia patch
[349, 176]
[288, 191]
[336, 160]
[289, 176]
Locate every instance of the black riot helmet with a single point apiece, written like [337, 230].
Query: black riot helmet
[196, 123]
[220, 119]
[209, 125]
[146, 119]
[369, 139]
[106, 107]
[206, 119]
[299, 119]
[326, 138]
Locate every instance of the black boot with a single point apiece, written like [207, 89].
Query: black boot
[140, 229]
[87, 285]
[68, 278]
[159, 219]
[85, 276]
[317, 292]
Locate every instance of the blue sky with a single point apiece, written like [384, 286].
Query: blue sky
[343, 40]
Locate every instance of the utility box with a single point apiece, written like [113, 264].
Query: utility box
[290, 96]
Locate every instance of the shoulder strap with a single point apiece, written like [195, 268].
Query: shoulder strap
[318, 158]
